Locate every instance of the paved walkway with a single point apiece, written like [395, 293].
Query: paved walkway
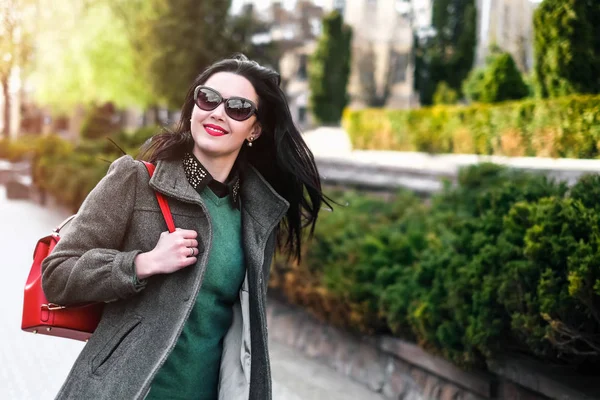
[34, 367]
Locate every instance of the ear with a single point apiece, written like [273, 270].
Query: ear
[256, 131]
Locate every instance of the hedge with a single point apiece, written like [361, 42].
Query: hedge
[561, 127]
[503, 262]
[70, 171]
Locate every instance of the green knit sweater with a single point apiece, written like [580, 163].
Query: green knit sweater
[192, 369]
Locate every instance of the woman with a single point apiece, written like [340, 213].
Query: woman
[185, 313]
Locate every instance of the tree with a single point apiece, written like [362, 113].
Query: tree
[15, 47]
[502, 81]
[89, 57]
[329, 69]
[498, 80]
[179, 40]
[245, 30]
[567, 47]
[444, 94]
[447, 56]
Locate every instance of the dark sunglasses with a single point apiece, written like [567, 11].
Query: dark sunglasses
[237, 108]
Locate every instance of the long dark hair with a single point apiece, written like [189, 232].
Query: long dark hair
[280, 155]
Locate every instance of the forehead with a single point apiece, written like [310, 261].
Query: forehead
[230, 84]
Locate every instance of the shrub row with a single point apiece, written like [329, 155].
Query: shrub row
[562, 127]
[502, 262]
[70, 171]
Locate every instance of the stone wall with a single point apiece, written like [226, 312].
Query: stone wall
[403, 371]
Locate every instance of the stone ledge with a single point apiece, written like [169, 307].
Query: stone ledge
[401, 370]
[425, 173]
[553, 382]
[476, 382]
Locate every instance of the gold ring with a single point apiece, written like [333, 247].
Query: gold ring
[192, 253]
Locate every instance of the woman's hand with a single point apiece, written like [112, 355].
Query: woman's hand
[173, 252]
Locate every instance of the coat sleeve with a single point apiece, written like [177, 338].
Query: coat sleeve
[86, 265]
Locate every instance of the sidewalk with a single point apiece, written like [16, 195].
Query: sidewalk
[34, 366]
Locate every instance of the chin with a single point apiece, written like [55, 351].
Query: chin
[214, 151]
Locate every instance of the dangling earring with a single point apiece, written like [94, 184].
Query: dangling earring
[250, 139]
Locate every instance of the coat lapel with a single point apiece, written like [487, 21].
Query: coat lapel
[169, 178]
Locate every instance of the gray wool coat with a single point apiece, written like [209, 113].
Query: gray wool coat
[93, 262]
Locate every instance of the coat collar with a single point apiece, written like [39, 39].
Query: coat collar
[258, 198]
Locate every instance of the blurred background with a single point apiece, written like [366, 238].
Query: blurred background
[460, 138]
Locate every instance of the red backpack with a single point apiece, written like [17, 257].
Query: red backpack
[72, 322]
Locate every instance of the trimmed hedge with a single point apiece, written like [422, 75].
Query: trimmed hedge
[506, 261]
[562, 127]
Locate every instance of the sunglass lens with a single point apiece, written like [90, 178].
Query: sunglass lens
[239, 109]
[207, 99]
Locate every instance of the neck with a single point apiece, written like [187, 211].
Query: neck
[219, 167]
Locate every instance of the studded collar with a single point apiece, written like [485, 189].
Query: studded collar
[199, 178]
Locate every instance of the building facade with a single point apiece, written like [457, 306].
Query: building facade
[509, 25]
[382, 68]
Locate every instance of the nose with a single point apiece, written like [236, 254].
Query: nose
[219, 112]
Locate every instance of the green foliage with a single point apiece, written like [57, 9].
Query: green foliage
[562, 127]
[502, 81]
[498, 81]
[329, 69]
[69, 172]
[99, 122]
[449, 55]
[504, 261]
[85, 54]
[472, 87]
[444, 94]
[567, 47]
[178, 40]
[462, 316]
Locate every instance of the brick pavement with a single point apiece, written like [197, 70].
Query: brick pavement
[34, 367]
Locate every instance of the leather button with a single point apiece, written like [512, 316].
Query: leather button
[187, 298]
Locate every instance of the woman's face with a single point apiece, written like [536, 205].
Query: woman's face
[216, 135]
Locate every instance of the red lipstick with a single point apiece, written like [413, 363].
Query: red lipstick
[215, 130]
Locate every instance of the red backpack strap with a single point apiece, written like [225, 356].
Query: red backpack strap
[162, 201]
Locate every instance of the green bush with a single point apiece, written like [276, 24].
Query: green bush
[567, 47]
[69, 172]
[502, 81]
[505, 261]
[329, 70]
[561, 127]
[444, 94]
[100, 122]
[473, 85]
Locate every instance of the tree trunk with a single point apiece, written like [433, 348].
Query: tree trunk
[6, 130]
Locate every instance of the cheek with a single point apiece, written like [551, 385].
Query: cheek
[198, 115]
[241, 129]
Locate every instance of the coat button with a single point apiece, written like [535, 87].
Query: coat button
[186, 298]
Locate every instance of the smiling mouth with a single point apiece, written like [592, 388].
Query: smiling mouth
[214, 130]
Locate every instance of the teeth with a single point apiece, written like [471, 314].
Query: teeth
[214, 130]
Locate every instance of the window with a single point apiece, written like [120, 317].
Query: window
[301, 115]
[302, 67]
[398, 66]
